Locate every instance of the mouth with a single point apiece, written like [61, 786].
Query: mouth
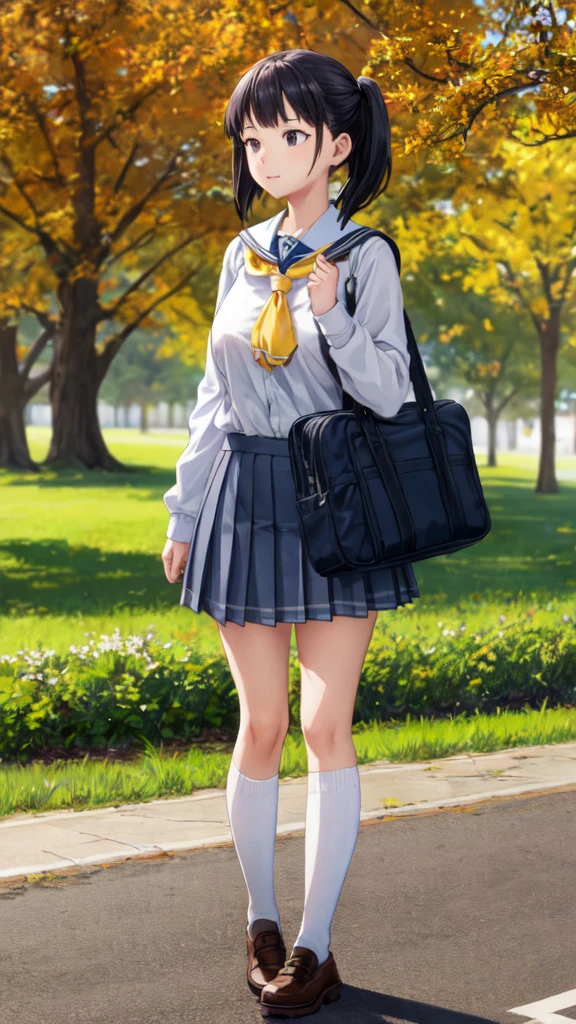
[272, 175]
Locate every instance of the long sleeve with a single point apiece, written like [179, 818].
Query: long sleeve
[370, 349]
[193, 466]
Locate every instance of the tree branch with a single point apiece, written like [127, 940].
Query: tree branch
[41, 122]
[124, 171]
[359, 14]
[424, 74]
[35, 350]
[107, 314]
[484, 103]
[505, 401]
[122, 115]
[114, 344]
[138, 243]
[33, 384]
[137, 207]
[18, 220]
[6, 159]
[517, 291]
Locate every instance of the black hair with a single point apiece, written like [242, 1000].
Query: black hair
[321, 91]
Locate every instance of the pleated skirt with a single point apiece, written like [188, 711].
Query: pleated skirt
[247, 561]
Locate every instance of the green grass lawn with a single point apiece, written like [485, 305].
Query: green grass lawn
[82, 550]
[154, 775]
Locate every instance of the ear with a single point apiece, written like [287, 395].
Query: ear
[342, 149]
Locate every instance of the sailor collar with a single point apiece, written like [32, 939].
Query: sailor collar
[326, 229]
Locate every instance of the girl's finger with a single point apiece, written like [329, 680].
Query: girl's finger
[321, 271]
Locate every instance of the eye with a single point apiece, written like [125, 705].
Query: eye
[247, 143]
[291, 139]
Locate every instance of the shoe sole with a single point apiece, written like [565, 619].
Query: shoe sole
[330, 996]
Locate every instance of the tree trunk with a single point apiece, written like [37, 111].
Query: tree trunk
[76, 436]
[116, 416]
[143, 417]
[492, 420]
[13, 441]
[549, 341]
[512, 435]
[170, 414]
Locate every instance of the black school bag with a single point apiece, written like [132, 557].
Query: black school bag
[375, 492]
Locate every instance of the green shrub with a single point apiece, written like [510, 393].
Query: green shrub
[111, 692]
[131, 690]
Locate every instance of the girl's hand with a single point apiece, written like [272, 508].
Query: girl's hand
[322, 284]
[174, 557]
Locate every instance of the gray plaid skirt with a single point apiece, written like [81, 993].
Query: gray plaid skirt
[247, 561]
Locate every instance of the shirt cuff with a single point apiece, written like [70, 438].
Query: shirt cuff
[181, 528]
[336, 325]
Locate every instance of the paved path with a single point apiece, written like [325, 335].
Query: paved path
[454, 916]
[31, 843]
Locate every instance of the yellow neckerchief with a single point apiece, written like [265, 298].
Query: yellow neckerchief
[273, 339]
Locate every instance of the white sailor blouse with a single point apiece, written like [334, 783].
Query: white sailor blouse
[370, 351]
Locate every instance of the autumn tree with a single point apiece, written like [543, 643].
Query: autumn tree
[512, 219]
[472, 341]
[459, 67]
[25, 282]
[103, 111]
[114, 162]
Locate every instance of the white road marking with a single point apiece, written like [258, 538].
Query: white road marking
[543, 1011]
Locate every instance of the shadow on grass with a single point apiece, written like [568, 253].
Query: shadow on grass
[52, 577]
[530, 549]
[135, 477]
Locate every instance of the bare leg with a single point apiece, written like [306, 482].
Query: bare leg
[258, 657]
[331, 655]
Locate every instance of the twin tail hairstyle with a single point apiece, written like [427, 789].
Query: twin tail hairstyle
[321, 91]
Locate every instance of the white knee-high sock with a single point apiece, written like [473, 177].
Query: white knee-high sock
[252, 806]
[332, 823]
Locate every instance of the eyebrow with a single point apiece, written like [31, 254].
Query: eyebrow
[256, 129]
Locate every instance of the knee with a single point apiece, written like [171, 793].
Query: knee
[265, 731]
[324, 736]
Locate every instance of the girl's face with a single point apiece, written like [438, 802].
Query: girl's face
[280, 158]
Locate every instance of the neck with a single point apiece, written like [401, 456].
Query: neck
[305, 208]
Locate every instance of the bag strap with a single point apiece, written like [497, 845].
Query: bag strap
[422, 394]
[421, 384]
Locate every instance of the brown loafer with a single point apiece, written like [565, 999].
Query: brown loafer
[266, 954]
[301, 986]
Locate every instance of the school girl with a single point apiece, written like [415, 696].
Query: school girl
[233, 534]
